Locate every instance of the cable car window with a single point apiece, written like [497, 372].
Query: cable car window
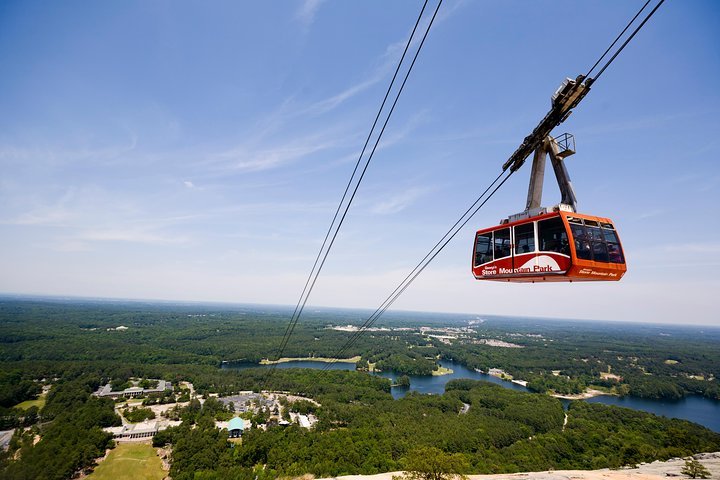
[525, 238]
[574, 220]
[593, 233]
[600, 251]
[552, 236]
[607, 225]
[615, 254]
[583, 247]
[595, 243]
[610, 236]
[502, 243]
[483, 249]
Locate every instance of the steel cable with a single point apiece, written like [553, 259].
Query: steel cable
[315, 272]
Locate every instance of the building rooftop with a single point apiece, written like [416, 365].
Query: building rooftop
[304, 421]
[236, 423]
[106, 390]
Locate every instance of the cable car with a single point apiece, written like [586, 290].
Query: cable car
[557, 246]
[550, 244]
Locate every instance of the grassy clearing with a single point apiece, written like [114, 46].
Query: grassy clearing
[38, 402]
[442, 371]
[130, 461]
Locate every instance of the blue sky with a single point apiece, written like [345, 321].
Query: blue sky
[197, 150]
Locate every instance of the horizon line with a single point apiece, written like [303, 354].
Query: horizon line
[38, 296]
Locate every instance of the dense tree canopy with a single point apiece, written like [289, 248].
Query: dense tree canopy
[77, 347]
[71, 441]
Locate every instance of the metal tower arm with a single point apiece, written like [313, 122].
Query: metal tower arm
[537, 175]
[565, 98]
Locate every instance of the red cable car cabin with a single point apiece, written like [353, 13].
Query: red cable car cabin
[554, 247]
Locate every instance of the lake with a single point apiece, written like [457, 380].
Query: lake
[695, 408]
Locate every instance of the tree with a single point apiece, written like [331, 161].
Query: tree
[403, 381]
[31, 416]
[430, 463]
[136, 414]
[695, 469]
[362, 364]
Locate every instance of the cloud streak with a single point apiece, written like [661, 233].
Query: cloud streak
[307, 11]
[60, 156]
[399, 202]
[387, 61]
[243, 160]
[137, 235]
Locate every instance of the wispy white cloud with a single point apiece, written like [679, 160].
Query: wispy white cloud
[29, 210]
[307, 11]
[266, 208]
[394, 137]
[189, 184]
[130, 235]
[261, 151]
[63, 155]
[681, 253]
[245, 160]
[693, 247]
[399, 201]
[647, 122]
[254, 154]
[696, 181]
[50, 216]
[387, 61]
[69, 245]
[332, 102]
[651, 214]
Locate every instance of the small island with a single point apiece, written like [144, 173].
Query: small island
[403, 381]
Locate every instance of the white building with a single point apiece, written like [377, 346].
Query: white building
[134, 391]
[140, 431]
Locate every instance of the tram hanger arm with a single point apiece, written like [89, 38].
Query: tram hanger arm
[565, 98]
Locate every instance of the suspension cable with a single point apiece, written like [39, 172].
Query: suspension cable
[617, 38]
[315, 272]
[628, 39]
[349, 183]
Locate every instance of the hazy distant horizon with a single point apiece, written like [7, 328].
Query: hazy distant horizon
[309, 309]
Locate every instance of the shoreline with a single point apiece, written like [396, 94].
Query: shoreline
[354, 359]
[589, 393]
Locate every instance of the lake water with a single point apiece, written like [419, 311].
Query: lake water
[697, 409]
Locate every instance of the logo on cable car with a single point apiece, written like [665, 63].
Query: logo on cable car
[535, 265]
[591, 272]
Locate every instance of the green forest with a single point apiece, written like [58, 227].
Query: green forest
[650, 361]
[362, 430]
[74, 347]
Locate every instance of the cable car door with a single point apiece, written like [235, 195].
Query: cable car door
[502, 246]
[524, 257]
